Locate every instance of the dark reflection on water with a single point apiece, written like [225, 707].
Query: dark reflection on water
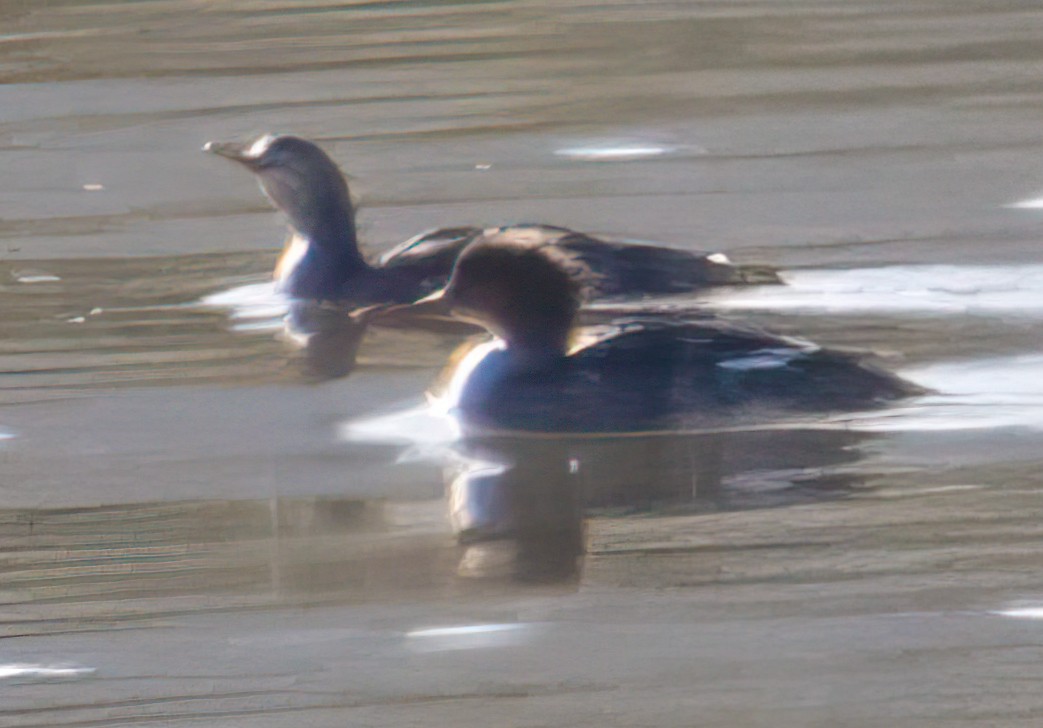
[329, 337]
[534, 491]
[659, 472]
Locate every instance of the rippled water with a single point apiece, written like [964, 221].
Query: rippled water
[192, 528]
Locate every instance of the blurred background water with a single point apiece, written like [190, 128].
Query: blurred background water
[191, 529]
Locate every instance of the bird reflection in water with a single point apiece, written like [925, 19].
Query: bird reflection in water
[328, 339]
[329, 336]
[515, 505]
[519, 504]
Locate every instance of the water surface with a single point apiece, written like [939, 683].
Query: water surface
[193, 529]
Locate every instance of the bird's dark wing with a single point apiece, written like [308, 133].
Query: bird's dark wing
[724, 363]
[433, 252]
[602, 267]
[622, 268]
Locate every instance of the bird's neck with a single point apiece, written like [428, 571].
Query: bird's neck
[537, 342]
[535, 353]
[318, 270]
[320, 265]
[331, 228]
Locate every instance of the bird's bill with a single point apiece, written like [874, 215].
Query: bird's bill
[431, 298]
[432, 305]
[236, 151]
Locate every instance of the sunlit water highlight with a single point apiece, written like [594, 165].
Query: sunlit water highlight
[1032, 204]
[906, 290]
[24, 671]
[1035, 612]
[620, 152]
[253, 307]
[36, 277]
[969, 395]
[464, 631]
[467, 637]
[426, 429]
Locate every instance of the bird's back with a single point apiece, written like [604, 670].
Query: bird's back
[623, 268]
[649, 373]
[604, 268]
[434, 252]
